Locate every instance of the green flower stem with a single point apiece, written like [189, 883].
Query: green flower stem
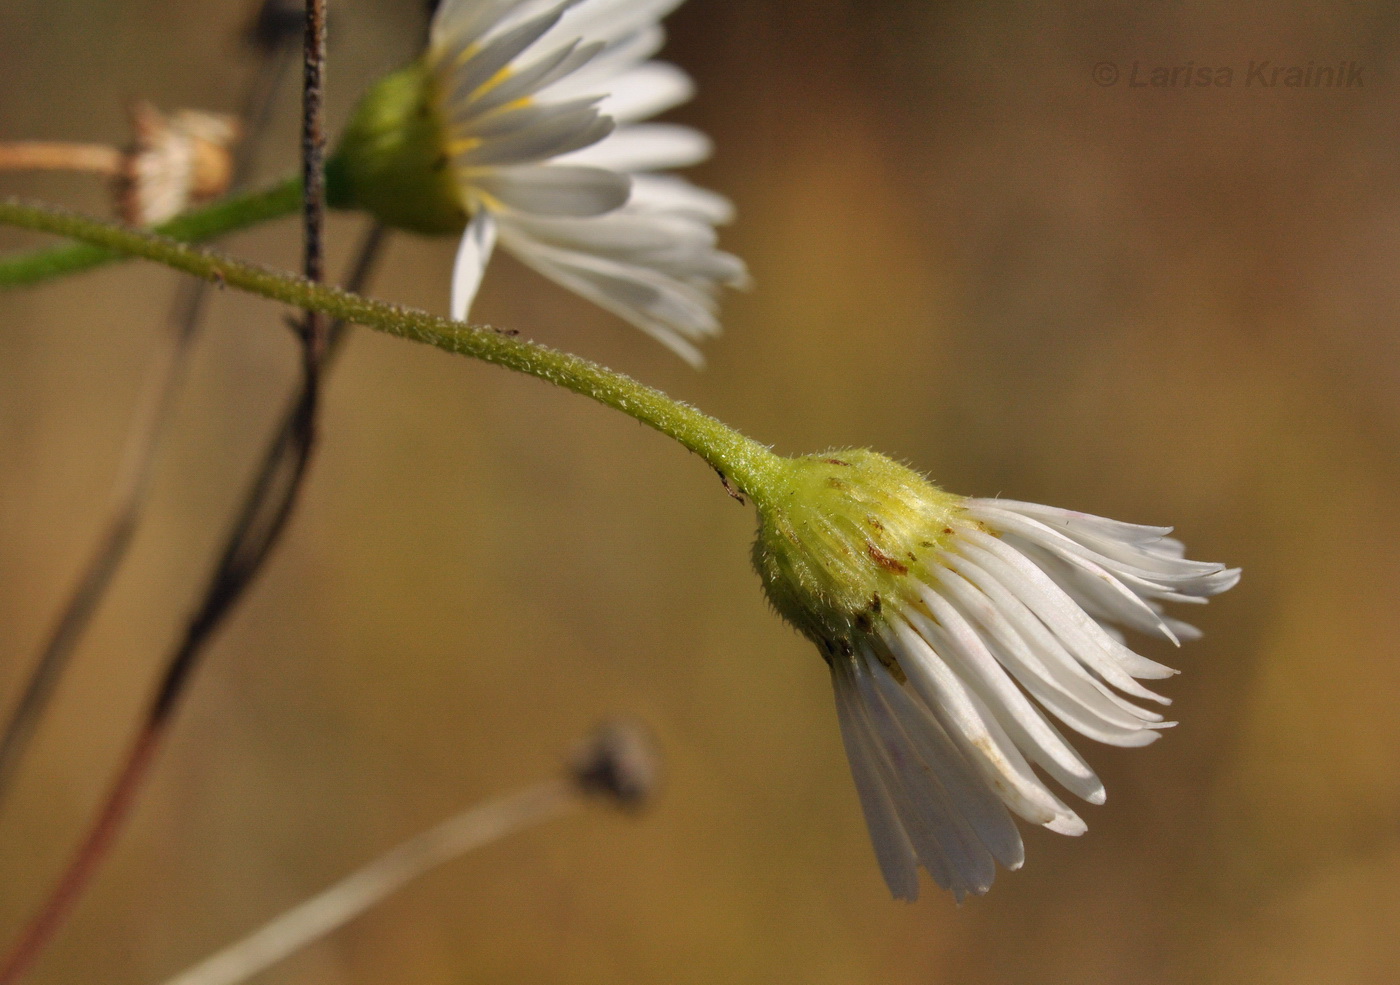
[744, 464]
[225, 216]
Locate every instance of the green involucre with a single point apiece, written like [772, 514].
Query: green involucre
[393, 161]
[842, 537]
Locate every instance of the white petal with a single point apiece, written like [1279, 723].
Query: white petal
[462, 22]
[616, 57]
[556, 189]
[1044, 668]
[1102, 600]
[625, 234]
[646, 90]
[973, 728]
[1080, 557]
[898, 863]
[1034, 735]
[969, 794]
[1141, 556]
[530, 134]
[473, 254]
[678, 245]
[668, 193]
[1081, 635]
[943, 840]
[1166, 575]
[1076, 521]
[468, 70]
[525, 80]
[610, 20]
[669, 310]
[647, 147]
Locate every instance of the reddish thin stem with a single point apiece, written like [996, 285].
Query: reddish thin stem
[266, 508]
[149, 424]
[86, 859]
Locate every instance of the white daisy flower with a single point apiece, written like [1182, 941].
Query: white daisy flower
[541, 103]
[955, 630]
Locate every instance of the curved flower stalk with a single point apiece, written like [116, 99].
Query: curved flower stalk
[955, 630]
[524, 121]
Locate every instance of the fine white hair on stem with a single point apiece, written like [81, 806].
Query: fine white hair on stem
[358, 892]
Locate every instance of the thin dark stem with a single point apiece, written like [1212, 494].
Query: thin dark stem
[144, 437]
[313, 177]
[261, 519]
[268, 503]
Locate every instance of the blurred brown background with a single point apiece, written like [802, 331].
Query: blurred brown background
[1172, 306]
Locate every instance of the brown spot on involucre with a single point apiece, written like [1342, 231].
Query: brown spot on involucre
[884, 560]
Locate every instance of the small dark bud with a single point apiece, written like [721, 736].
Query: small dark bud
[278, 24]
[620, 761]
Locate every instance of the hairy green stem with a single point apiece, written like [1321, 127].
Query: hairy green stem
[225, 216]
[744, 464]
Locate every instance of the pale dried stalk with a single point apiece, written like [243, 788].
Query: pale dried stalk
[360, 891]
[36, 155]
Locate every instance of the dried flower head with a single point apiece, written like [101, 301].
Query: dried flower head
[175, 160]
[620, 761]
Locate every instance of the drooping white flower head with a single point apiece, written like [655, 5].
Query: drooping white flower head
[956, 630]
[541, 102]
